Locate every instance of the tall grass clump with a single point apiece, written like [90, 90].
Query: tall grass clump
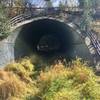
[76, 81]
[11, 86]
[23, 70]
[4, 26]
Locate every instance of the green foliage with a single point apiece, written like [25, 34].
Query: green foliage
[90, 91]
[24, 68]
[75, 81]
[61, 5]
[49, 3]
[67, 95]
[59, 89]
[87, 19]
[4, 27]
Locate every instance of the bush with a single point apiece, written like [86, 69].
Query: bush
[91, 91]
[76, 81]
[4, 27]
[24, 69]
[67, 95]
[60, 89]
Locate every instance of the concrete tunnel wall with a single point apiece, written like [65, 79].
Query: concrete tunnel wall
[25, 39]
[70, 42]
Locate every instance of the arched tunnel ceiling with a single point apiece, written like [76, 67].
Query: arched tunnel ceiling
[48, 38]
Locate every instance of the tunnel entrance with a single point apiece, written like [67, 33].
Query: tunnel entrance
[49, 38]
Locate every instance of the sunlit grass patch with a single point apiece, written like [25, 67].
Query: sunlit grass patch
[69, 82]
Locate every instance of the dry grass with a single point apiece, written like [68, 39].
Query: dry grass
[10, 86]
[76, 69]
[15, 81]
[60, 81]
[6, 76]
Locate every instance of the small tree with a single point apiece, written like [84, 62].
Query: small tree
[48, 3]
[61, 5]
[87, 15]
[4, 27]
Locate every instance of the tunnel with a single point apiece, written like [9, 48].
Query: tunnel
[49, 38]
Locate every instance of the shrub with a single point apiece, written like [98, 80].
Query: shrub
[4, 27]
[24, 69]
[67, 95]
[58, 89]
[68, 83]
[76, 81]
[91, 91]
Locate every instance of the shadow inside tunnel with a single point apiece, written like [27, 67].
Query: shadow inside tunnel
[50, 38]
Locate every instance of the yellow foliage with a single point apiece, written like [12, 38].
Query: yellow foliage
[27, 64]
[54, 71]
[23, 69]
[75, 81]
[67, 95]
[16, 77]
[91, 90]
[77, 71]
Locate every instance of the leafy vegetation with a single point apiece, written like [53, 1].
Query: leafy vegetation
[4, 27]
[75, 81]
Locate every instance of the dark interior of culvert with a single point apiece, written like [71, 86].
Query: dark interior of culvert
[49, 38]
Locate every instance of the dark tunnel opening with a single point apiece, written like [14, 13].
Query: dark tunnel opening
[49, 38]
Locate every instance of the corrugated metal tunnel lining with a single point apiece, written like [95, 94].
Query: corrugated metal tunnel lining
[48, 37]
